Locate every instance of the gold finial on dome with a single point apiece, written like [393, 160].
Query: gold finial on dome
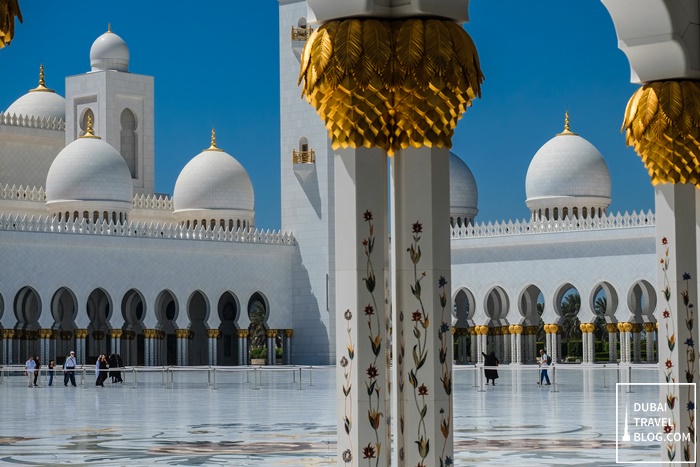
[42, 84]
[109, 27]
[567, 128]
[89, 133]
[213, 142]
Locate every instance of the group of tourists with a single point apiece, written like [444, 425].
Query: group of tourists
[103, 368]
[112, 364]
[491, 373]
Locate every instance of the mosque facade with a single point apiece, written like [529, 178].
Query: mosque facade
[194, 281]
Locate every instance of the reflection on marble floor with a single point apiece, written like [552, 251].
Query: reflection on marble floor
[513, 423]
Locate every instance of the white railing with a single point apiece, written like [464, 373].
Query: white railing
[85, 375]
[524, 227]
[48, 224]
[30, 121]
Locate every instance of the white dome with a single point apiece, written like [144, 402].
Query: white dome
[89, 174]
[39, 102]
[568, 172]
[214, 185]
[109, 52]
[464, 195]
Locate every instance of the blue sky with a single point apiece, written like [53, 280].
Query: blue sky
[216, 65]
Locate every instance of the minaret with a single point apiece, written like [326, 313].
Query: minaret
[307, 190]
[121, 105]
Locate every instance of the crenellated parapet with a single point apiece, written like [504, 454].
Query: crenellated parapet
[30, 121]
[155, 202]
[23, 193]
[173, 231]
[543, 226]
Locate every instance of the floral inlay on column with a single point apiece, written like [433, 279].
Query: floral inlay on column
[346, 363]
[671, 372]
[690, 367]
[375, 336]
[420, 354]
[670, 335]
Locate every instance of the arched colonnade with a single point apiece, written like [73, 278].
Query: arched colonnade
[200, 330]
[512, 322]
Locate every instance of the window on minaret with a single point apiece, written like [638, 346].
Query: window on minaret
[83, 121]
[127, 146]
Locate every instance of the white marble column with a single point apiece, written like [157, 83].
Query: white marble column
[80, 355]
[45, 339]
[650, 329]
[421, 252]
[212, 339]
[677, 234]
[287, 346]
[549, 346]
[461, 335]
[242, 347]
[473, 344]
[150, 346]
[128, 338]
[507, 346]
[481, 332]
[517, 337]
[183, 344]
[271, 335]
[611, 328]
[115, 335]
[361, 249]
[625, 337]
[637, 342]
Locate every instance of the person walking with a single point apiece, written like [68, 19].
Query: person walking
[120, 365]
[112, 361]
[490, 373]
[36, 369]
[29, 368]
[102, 371]
[544, 364]
[52, 365]
[69, 367]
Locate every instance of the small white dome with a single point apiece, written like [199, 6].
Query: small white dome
[214, 185]
[39, 102]
[568, 172]
[109, 52]
[464, 195]
[89, 174]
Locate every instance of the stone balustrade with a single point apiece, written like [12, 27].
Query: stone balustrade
[47, 224]
[524, 227]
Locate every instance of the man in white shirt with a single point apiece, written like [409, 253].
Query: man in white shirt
[29, 369]
[544, 364]
[69, 365]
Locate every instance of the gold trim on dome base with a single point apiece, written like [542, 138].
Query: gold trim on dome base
[390, 84]
[662, 122]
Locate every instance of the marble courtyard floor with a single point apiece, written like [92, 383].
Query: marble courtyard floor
[269, 421]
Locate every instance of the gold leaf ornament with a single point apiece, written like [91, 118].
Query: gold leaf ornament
[9, 9]
[662, 123]
[390, 84]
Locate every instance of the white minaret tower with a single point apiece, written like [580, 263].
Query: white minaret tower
[307, 168]
[121, 106]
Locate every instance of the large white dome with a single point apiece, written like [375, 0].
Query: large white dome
[464, 195]
[568, 174]
[214, 185]
[89, 175]
[39, 102]
[109, 52]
